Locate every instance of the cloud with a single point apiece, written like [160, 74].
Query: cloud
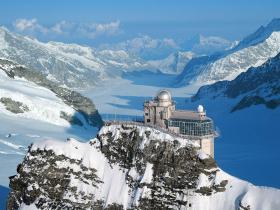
[170, 43]
[92, 30]
[29, 25]
[89, 30]
[146, 47]
[62, 27]
[147, 42]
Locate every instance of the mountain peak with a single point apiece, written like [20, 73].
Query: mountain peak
[129, 167]
[205, 45]
[261, 34]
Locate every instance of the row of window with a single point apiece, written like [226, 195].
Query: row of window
[196, 128]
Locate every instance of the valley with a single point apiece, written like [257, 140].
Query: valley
[62, 92]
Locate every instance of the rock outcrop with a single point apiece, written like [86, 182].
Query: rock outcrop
[127, 167]
[14, 106]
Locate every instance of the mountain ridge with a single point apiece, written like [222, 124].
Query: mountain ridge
[130, 167]
[258, 85]
[227, 65]
[78, 66]
[75, 100]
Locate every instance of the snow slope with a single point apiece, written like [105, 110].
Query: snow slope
[28, 112]
[42, 103]
[112, 186]
[253, 51]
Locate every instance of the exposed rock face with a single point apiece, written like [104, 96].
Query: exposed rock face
[14, 106]
[72, 98]
[125, 167]
[48, 185]
[176, 168]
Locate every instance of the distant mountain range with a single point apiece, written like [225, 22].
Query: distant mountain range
[69, 64]
[253, 51]
[149, 48]
[202, 45]
[79, 66]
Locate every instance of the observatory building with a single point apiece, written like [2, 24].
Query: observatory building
[193, 125]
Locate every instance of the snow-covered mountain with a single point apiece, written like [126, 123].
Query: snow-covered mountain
[77, 66]
[203, 45]
[258, 85]
[246, 111]
[32, 109]
[253, 51]
[70, 64]
[28, 94]
[174, 63]
[130, 167]
[261, 34]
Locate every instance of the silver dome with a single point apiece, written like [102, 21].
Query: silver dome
[164, 95]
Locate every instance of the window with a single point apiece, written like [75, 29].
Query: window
[146, 114]
[148, 120]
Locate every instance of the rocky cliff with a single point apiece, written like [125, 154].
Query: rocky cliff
[129, 167]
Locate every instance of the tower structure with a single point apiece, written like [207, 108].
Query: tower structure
[193, 125]
[158, 110]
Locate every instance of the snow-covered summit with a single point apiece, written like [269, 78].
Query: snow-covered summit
[206, 45]
[174, 63]
[129, 167]
[253, 51]
[258, 85]
[261, 34]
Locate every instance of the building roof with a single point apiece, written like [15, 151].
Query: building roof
[186, 115]
[164, 95]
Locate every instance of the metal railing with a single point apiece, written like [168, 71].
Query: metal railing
[161, 129]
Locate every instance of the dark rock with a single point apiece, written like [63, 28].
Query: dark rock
[175, 172]
[15, 107]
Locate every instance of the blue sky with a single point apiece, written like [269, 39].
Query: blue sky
[116, 20]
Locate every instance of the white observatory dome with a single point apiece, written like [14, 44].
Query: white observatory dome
[164, 98]
[164, 95]
[200, 109]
